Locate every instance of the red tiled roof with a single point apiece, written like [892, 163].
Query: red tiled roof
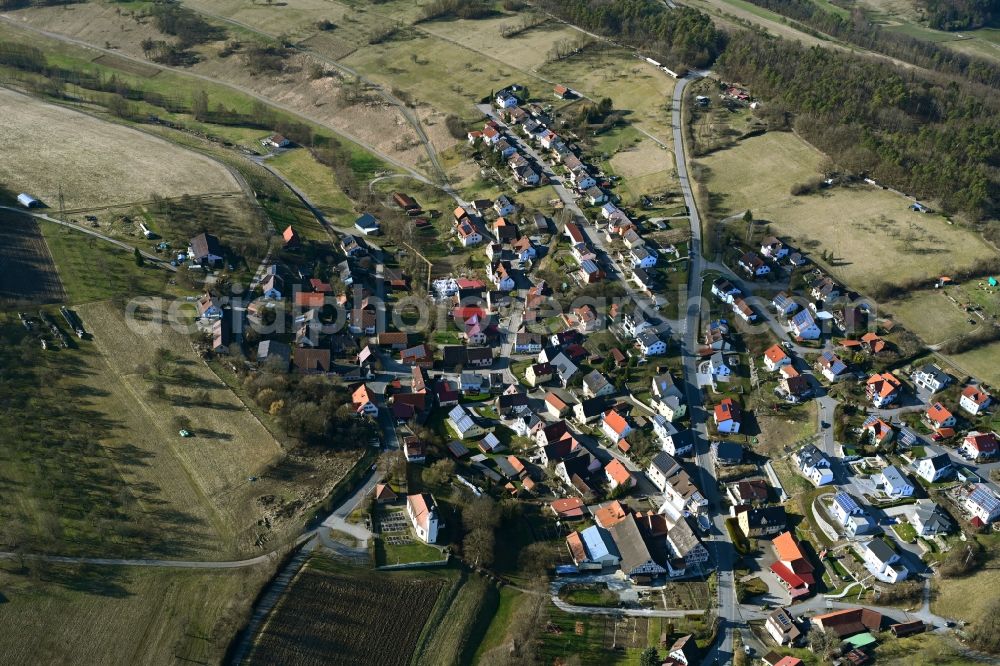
[616, 421]
[775, 354]
[617, 471]
[610, 514]
[975, 394]
[789, 577]
[569, 507]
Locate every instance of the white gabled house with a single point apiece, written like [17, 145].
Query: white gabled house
[422, 511]
[974, 399]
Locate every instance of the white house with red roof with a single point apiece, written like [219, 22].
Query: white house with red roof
[938, 416]
[980, 445]
[727, 416]
[775, 357]
[422, 511]
[974, 399]
[363, 401]
[614, 425]
[618, 475]
[883, 389]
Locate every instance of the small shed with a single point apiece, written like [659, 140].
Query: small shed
[993, 282]
[28, 201]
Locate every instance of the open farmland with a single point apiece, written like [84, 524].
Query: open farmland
[26, 269]
[526, 51]
[96, 163]
[373, 121]
[206, 473]
[871, 233]
[933, 316]
[332, 614]
[449, 77]
[104, 615]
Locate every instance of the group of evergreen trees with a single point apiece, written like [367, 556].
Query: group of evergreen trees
[933, 139]
[857, 29]
[679, 36]
[961, 14]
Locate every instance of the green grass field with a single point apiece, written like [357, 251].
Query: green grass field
[316, 181]
[866, 229]
[95, 270]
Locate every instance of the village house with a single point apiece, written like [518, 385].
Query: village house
[209, 307]
[726, 453]
[666, 398]
[592, 548]
[273, 351]
[368, 224]
[423, 514]
[595, 385]
[728, 416]
[929, 519]
[414, 450]
[831, 366]
[883, 389]
[683, 494]
[743, 310]
[650, 344]
[272, 286]
[749, 492]
[538, 373]
[670, 439]
[661, 468]
[590, 410]
[637, 562]
[845, 623]
[311, 361]
[781, 627]
[275, 141]
[893, 483]
[718, 366]
[980, 445]
[775, 357]
[384, 494]
[468, 236]
[877, 431]
[938, 416]
[618, 475]
[934, 468]
[931, 378]
[725, 290]
[686, 552]
[844, 506]
[814, 465]
[882, 561]
[206, 250]
[981, 503]
[555, 405]
[615, 426]
[762, 522]
[569, 508]
[363, 401]
[753, 265]
[974, 399]
[783, 304]
[463, 424]
[803, 326]
[792, 568]
[564, 368]
[824, 289]
[772, 248]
